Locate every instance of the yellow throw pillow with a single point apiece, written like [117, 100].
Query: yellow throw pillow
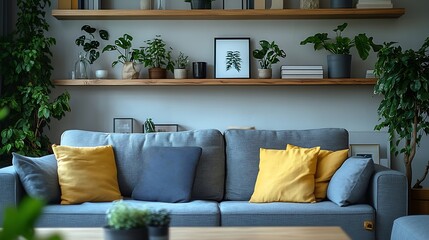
[87, 174]
[328, 163]
[286, 175]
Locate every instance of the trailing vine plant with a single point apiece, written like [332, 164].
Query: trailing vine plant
[25, 65]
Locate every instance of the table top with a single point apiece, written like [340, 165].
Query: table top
[216, 233]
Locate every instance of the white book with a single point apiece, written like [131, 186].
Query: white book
[284, 67]
[293, 71]
[302, 76]
[374, 5]
[97, 4]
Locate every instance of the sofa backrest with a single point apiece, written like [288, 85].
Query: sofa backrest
[210, 175]
[242, 153]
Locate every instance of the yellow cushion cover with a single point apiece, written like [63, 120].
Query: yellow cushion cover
[328, 163]
[87, 174]
[286, 175]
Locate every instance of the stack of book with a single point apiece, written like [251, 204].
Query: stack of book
[302, 71]
[79, 4]
[374, 4]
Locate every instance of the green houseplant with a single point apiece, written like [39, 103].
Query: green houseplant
[181, 63]
[157, 58]
[403, 80]
[127, 56]
[200, 4]
[149, 126]
[25, 64]
[89, 43]
[268, 55]
[339, 63]
[158, 224]
[125, 222]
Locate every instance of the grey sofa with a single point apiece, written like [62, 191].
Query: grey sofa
[224, 182]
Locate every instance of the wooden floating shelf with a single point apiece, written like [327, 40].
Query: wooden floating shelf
[214, 82]
[248, 14]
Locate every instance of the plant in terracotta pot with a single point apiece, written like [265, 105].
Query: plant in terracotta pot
[339, 63]
[157, 58]
[200, 4]
[268, 55]
[403, 81]
[125, 222]
[126, 56]
[158, 224]
[181, 63]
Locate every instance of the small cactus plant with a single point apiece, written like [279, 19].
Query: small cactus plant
[149, 126]
[121, 216]
[159, 218]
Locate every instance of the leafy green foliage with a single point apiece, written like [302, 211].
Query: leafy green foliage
[159, 218]
[89, 43]
[233, 60]
[19, 222]
[181, 61]
[149, 126]
[343, 45]
[3, 113]
[156, 55]
[403, 80]
[269, 54]
[126, 54]
[25, 64]
[124, 217]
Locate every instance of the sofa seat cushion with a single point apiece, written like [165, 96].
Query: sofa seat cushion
[326, 213]
[195, 213]
[411, 228]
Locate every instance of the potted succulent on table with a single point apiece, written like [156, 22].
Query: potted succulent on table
[149, 126]
[403, 81]
[158, 224]
[127, 56]
[125, 222]
[180, 72]
[200, 4]
[339, 62]
[268, 55]
[156, 56]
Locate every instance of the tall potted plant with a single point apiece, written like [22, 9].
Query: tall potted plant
[127, 56]
[339, 62]
[157, 58]
[25, 64]
[268, 55]
[403, 81]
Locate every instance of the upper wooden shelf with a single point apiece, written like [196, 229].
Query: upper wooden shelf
[214, 82]
[247, 14]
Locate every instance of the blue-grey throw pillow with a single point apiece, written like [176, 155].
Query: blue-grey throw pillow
[39, 176]
[350, 182]
[167, 174]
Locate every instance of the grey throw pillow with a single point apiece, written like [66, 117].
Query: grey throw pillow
[167, 174]
[39, 176]
[350, 181]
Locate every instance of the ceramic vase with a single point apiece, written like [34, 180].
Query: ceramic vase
[180, 73]
[265, 73]
[339, 65]
[145, 4]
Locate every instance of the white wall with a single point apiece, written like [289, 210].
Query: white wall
[265, 107]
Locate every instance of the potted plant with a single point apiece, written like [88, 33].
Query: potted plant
[268, 55]
[403, 80]
[181, 63]
[149, 126]
[125, 222]
[157, 58]
[158, 224]
[127, 56]
[200, 4]
[339, 63]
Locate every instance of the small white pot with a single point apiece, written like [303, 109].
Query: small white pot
[265, 73]
[180, 73]
[145, 4]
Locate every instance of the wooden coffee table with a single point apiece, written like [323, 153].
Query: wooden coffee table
[216, 233]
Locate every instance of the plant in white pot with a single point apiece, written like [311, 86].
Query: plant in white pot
[127, 56]
[158, 224]
[339, 62]
[157, 58]
[268, 55]
[180, 71]
[125, 222]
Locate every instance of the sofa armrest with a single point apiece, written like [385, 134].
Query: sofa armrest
[10, 188]
[388, 192]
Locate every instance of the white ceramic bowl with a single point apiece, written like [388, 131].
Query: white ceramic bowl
[101, 74]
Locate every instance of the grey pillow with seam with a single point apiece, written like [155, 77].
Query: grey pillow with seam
[38, 176]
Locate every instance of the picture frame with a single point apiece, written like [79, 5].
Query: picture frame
[232, 58]
[123, 125]
[165, 128]
[366, 150]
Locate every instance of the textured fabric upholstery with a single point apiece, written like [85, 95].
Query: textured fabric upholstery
[210, 174]
[195, 213]
[411, 228]
[10, 188]
[326, 213]
[242, 153]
